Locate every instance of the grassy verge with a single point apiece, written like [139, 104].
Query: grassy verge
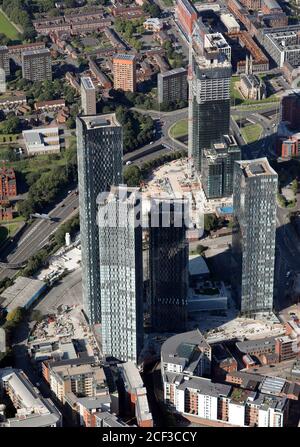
[8, 28]
[179, 129]
[238, 100]
[251, 133]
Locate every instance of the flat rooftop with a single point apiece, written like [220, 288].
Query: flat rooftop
[257, 167]
[98, 121]
[21, 292]
[87, 83]
[38, 52]
[125, 56]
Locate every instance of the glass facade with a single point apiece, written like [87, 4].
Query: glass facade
[209, 105]
[121, 276]
[100, 158]
[168, 265]
[253, 244]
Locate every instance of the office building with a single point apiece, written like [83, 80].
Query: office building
[283, 45]
[36, 65]
[4, 59]
[43, 140]
[172, 86]
[218, 167]
[100, 158]
[124, 67]
[121, 273]
[168, 263]
[209, 98]
[88, 96]
[253, 241]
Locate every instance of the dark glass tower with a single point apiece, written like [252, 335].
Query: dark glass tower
[209, 99]
[253, 242]
[168, 265]
[217, 168]
[100, 158]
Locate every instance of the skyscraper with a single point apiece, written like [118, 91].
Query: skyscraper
[218, 167]
[209, 97]
[37, 65]
[121, 273]
[124, 66]
[253, 241]
[168, 265]
[100, 155]
[88, 96]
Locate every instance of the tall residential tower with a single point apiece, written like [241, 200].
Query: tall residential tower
[121, 273]
[168, 265]
[100, 158]
[209, 97]
[253, 241]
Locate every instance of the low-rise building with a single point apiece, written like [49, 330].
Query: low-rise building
[153, 24]
[8, 183]
[136, 394]
[23, 293]
[45, 140]
[50, 106]
[32, 410]
[223, 361]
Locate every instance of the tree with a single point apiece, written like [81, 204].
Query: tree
[201, 249]
[10, 125]
[132, 176]
[210, 222]
[15, 316]
[71, 123]
[295, 186]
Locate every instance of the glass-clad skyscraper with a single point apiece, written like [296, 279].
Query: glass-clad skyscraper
[100, 158]
[121, 273]
[168, 264]
[209, 99]
[253, 242]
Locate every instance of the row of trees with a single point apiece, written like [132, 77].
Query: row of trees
[45, 187]
[19, 11]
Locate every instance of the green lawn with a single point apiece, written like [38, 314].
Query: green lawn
[7, 28]
[179, 129]
[238, 100]
[251, 133]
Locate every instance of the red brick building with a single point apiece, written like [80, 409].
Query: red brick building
[8, 184]
[186, 16]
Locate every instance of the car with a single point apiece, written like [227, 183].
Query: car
[128, 162]
[62, 205]
[69, 192]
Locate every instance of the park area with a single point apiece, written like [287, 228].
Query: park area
[251, 132]
[7, 28]
[179, 129]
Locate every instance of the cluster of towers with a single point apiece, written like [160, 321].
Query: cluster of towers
[112, 218]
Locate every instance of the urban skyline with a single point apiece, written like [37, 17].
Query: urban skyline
[149, 217]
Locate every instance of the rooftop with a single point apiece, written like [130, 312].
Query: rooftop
[257, 167]
[125, 56]
[100, 121]
[20, 293]
[87, 83]
[183, 349]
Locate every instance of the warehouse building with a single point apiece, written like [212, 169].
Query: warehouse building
[23, 293]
